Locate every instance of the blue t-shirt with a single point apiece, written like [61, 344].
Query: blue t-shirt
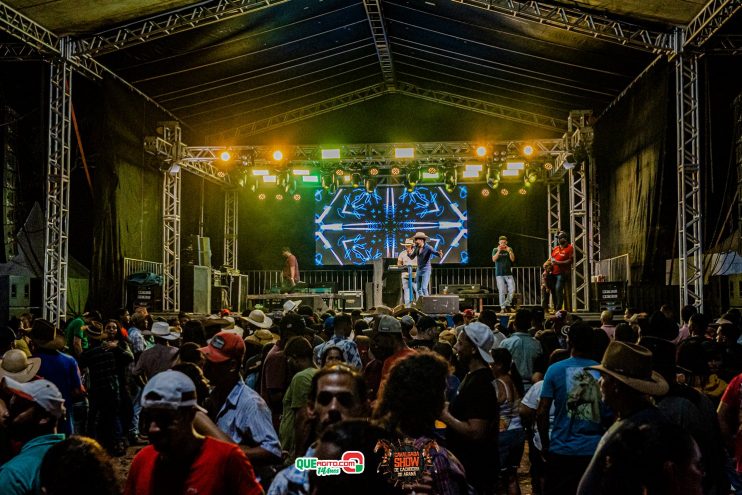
[576, 394]
[20, 475]
[61, 369]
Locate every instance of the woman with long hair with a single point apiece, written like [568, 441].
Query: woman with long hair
[509, 388]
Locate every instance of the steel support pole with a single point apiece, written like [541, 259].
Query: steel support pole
[578, 229]
[690, 248]
[57, 189]
[230, 228]
[171, 241]
[554, 213]
[738, 156]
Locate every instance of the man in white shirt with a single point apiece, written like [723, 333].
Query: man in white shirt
[404, 260]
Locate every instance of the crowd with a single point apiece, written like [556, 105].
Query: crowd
[226, 403]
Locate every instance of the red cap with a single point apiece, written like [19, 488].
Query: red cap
[224, 346]
[468, 312]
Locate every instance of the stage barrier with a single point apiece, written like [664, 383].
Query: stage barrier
[616, 269]
[132, 266]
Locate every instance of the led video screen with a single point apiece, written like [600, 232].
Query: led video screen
[355, 227]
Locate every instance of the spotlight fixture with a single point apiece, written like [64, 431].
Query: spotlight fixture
[278, 155]
[528, 150]
[253, 184]
[257, 171]
[404, 152]
[331, 154]
[279, 197]
[369, 185]
[297, 197]
[396, 171]
[531, 176]
[481, 151]
[327, 181]
[339, 171]
[355, 179]
[548, 166]
[261, 196]
[515, 165]
[373, 171]
[449, 179]
[485, 192]
[432, 170]
[413, 176]
[174, 169]
[522, 191]
[220, 173]
[225, 156]
[504, 191]
[472, 170]
[492, 177]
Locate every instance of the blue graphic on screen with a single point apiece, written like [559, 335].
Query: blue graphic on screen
[355, 227]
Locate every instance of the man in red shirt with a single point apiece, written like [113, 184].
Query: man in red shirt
[290, 269]
[561, 267]
[180, 461]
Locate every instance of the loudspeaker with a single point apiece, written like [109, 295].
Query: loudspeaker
[351, 303]
[203, 251]
[239, 291]
[438, 304]
[195, 289]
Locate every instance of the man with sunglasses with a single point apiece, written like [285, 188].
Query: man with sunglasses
[179, 460]
[337, 393]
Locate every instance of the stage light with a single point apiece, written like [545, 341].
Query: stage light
[339, 171]
[485, 192]
[528, 150]
[404, 152]
[515, 165]
[279, 197]
[531, 177]
[253, 184]
[310, 178]
[408, 187]
[346, 178]
[355, 179]
[290, 186]
[413, 176]
[522, 191]
[373, 171]
[493, 177]
[396, 171]
[369, 185]
[432, 170]
[327, 181]
[278, 155]
[569, 161]
[331, 154]
[220, 173]
[297, 197]
[261, 196]
[174, 169]
[510, 173]
[429, 175]
[258, 171]
[471, 171]
[225, 156]
[300, 171]
[270, 178]
[504, 191]
[481, 151]
[449, 179]
[548, 166]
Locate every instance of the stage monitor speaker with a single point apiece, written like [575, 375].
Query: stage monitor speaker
[195, 289]
[239, 291]
[353, 301]
[439, 304]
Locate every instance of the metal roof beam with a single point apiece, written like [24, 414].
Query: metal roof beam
[579, 21]
[726, 45]
[484, 107]
[186, 158]
[378, 32]
[22, 52]
[709, 20]
[301, 113]
[167, 24]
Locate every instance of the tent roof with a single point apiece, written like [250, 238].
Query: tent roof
[292, 54]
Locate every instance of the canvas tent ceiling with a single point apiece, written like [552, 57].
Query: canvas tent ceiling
[294, 53]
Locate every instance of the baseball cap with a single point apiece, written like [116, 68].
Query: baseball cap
[223, 347]
[169, 390]
[42, 392]
[389, 324]
[293, 323]
[481, 336]
[469, 313]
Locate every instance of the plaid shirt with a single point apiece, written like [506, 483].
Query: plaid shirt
[103, 365]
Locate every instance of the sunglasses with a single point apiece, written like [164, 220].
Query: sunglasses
[346, 399]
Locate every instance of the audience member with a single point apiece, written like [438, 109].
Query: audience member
[523, 348]
[78, 466]
[292, 430]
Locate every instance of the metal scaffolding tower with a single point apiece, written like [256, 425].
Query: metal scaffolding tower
[230, 228]
[554, 212]
[57, 190]
[690, 247]
[171, 133]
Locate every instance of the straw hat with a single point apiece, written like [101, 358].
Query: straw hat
[262, 337]
[408, 242]
[259, 319]
[421, 235]
[631, 364]
[16, 365]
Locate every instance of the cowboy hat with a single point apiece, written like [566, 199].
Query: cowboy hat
[262, 337]
[420, 235]
[16, 365]
[290, 305]
[631, 364]
[162, 330]
[45, 335]
[258, 319]
[408, 242]
[95, 330]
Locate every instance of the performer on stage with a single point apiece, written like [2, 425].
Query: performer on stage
[561, 260]
[290, 269]
[423, 253]
[404, 259]
[504, 257]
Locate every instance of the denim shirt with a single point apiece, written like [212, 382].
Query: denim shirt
[246, 419]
